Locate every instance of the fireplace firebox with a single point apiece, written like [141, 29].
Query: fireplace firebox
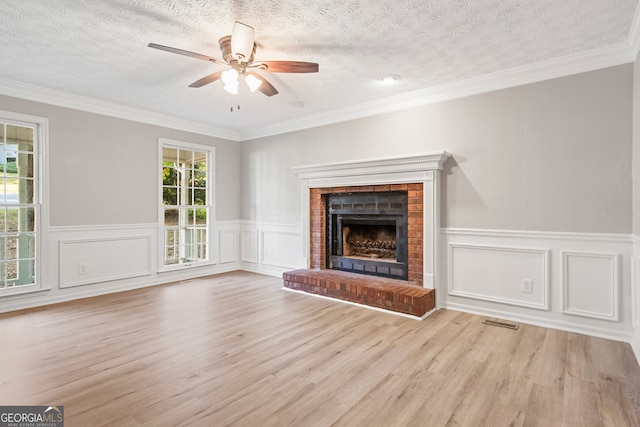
[367, 233]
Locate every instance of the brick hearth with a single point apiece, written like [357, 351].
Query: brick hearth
[389, 294]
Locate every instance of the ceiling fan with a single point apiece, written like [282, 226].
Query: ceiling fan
[238, 50]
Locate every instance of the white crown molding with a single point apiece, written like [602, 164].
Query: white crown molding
[591, 60]
[621, 53]
[77, 102]
[634, 35]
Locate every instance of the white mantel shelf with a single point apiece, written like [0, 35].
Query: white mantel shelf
[386, 165]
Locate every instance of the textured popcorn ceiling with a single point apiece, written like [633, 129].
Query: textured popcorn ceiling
[98, 48]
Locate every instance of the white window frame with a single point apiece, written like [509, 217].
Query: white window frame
[40, 126]
[210, 151]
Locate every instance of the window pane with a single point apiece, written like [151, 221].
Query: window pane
[201, 216]
[187, 217]
[185, 158]
[11, 251]
[170, 196]
[171, 217]
[200, 197]
[17, 219]
[25, 165]
[169, 174]
[170, 155]
[199, 178]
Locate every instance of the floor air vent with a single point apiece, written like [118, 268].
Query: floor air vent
[501, 324]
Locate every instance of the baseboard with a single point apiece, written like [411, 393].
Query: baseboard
[544, 323]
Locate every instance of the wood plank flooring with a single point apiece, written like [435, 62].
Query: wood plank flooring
[235, 349]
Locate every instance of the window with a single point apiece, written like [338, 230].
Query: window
[186, 203]
[19, 201]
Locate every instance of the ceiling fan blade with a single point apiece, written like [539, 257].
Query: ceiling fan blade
[207, 79]
[242, 40]
[290, 66]
[186, 53]
[266, 87]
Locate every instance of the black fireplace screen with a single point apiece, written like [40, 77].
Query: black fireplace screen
[367, 233]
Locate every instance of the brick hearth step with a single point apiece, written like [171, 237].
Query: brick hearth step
[389, 294]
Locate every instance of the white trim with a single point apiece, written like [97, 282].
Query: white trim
[614, 259]
[78, 102]
[634, 35]
[370, 307]
[100, 227]
[546, 260]
[518, 234]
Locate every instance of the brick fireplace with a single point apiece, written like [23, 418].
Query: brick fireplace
[417, 176]
[318, 224]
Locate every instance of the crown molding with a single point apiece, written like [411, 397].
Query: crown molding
[618, 54]
[91, 105]
[634, 35]
[591, 60]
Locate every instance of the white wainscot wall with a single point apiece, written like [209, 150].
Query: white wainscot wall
[271, 248]
[570, 281]
[79, 262]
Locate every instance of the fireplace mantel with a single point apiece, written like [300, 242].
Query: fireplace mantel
[387, 165]
[420, 168]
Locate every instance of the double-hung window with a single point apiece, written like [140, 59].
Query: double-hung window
[20, 200]
[186, 211]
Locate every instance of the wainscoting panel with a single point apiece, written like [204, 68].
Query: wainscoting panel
[579, 282]
[508, 275]
[281, 249]
[590, 285]
[249, 246]
[227, 249]
[635, 291]
[87, 261]
[270, 248]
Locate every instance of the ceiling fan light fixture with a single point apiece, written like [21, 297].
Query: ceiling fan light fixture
[231, 87]
[242, 39]
[230, 77]
[253, 82]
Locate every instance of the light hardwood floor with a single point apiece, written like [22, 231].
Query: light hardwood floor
[235, 349]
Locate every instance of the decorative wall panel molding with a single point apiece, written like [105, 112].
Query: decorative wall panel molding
[270, 248]
[635, 291]
[249, 246]
[97, 260]
[227, 250]
[281, 249]
[591, 285]
[507, 275]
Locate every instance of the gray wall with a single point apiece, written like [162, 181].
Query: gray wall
[103, 170]
[548, 156]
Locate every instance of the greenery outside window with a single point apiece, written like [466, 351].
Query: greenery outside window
[186, 203]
